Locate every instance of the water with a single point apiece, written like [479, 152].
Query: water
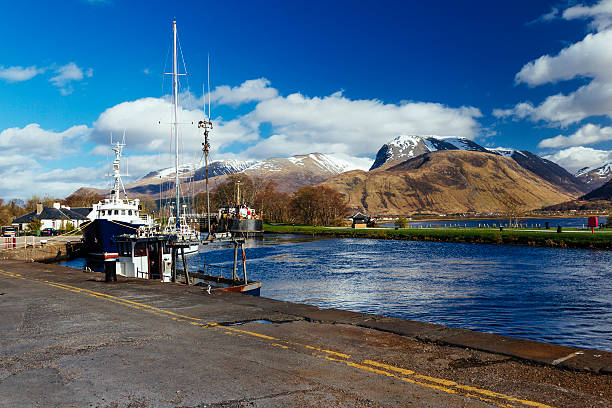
[561, 296]
[570, 222]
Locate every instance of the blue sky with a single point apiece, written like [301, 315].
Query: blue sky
[340, 77]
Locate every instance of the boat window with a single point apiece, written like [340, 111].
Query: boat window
[129, 212]
[140, 249]
[122, 212]
[125, 249]
[116, 212]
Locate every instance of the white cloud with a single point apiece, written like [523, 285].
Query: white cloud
[600, 13]
[45, 144]
[587, 134]
[589, 58]
[68, 73]
[336, 124]
[593, 99]
[28, 177]
[146, 124]
[19, 74]
[249, 91]
[578, 157]
[348, 129]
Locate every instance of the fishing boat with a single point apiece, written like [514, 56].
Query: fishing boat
[156, 257]
[152, 255]
[114, 216]
[239, 220]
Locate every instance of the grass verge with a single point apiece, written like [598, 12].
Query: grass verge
[545, 238]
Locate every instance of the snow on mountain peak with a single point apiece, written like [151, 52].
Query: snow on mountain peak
[505, 151]
[602, 171]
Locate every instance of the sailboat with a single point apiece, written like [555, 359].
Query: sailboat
[156, 256]
[177, 225]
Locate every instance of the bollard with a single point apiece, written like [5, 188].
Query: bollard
[110, 270]
[559, 229]
[501, 228]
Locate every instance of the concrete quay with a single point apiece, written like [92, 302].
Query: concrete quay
[69, 339]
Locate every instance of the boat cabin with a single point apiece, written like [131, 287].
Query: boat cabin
[144, 257]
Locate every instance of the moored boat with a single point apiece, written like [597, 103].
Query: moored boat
[114, 216]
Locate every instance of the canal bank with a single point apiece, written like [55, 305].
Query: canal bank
[493, 236]
[178, 346]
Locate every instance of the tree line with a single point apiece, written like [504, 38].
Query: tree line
[312, 205]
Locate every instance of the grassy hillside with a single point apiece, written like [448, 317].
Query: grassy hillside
[448, 182]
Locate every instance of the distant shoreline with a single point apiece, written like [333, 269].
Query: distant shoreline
[544, 238]
[501, 217]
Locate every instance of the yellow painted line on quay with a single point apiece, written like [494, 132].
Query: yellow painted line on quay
[370, 366]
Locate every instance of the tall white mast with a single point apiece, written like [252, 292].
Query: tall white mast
[175, 125]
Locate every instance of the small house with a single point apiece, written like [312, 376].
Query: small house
[55, 217]
[360, 220]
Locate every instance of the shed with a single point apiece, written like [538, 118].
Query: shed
[360, 220]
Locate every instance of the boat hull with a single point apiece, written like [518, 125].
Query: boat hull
[100, 237]
[221, 284]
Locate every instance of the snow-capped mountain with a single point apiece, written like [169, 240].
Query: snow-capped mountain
[221, 167]
[169, 171]
[326, 163]
[289, 173]
[215, 168]
[293, 172]
[595, 176]
[404, 147]
[505, 151]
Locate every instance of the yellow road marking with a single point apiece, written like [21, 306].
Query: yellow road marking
[333, 353]
[367, 365]
[389, 367]
[280, 345]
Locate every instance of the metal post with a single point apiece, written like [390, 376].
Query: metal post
[243, 263]
[173, 250]
[234, 274]
[187, 280]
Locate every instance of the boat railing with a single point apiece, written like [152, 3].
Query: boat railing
[218, 271]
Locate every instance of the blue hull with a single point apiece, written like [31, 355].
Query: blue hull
[99, 236]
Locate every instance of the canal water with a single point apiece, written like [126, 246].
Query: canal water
[567, 222]
[561, 296]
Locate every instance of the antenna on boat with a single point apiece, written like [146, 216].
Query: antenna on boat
[207, 125]
[209, 117]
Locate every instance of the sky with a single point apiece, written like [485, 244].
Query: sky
[287, 78]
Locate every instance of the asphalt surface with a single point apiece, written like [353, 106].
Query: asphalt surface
[69, 339]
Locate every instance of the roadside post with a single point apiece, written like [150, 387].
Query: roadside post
[593, 223]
